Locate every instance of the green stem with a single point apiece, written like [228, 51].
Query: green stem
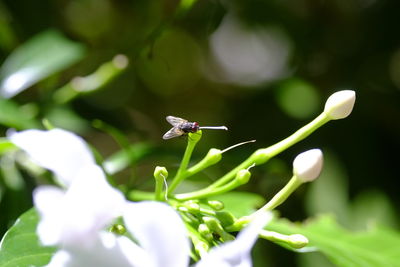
[298, 135]
[182, 171]
[282, 195]
[278, 199]
[137, 195]
[158, 192]
[263, 155]
[212, 157]
[98, 79]
[207, 192]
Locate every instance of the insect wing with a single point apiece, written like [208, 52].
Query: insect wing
[175, 121]
[173, 132]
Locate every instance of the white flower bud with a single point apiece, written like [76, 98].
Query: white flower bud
[340, 104]
[307, 165]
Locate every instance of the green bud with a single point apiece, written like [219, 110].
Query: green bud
[261, 156]
[183, 209]
[226, 218]
[215, 204]
[192, 207]
[160, 172]
[201, 248]
[243, 176]
[203, 229]
[213, 156]
[298, 241]
[214, 225]
[205, 232]
[118, 229]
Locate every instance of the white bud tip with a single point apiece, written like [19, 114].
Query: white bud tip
[308, 165]
[340, 104]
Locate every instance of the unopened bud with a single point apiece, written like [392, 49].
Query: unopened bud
[308, 165]
[160, 172]
[213, 156]
[225, 217]
[261, 156]
[215, 226]
[298, 241]
[118, 229]
[205, 232]
[215, 204]
[192, 207]
[340, 104]
[243, 176]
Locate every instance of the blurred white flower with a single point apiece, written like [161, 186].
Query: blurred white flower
[340, 104]
[74, 219]
[247, 56]
[160, 232]
[60, 151]
[106, 250]
[78, 214]
[162, 240]
[308, 165]
[156, 226]
[237, 253]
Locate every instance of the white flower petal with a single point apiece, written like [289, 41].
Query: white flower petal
[48, 201]
[93, 192]
[47, 198]
[160, 232]
[106, 251]
[59, 259]
[58, 150]
[85, 208]
[237, 253]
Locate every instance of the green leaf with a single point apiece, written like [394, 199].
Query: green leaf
[38, 58]
[376, 247]
[240, 203]
[20, 245]
[329, 193]
[66, 118]
[372, 207]
[13, 116]
[6, 145]
[125, 158]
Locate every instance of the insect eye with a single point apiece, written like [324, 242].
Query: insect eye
[195, 126]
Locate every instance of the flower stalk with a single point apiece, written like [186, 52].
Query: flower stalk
[193, 139]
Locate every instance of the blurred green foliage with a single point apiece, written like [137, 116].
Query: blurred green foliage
[182, 62]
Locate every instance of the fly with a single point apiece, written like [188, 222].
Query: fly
[182, 127]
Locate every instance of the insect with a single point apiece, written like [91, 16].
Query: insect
[182, 127]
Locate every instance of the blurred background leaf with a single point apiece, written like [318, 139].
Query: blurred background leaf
[14, 116]
[45, 54]
[372, 248]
